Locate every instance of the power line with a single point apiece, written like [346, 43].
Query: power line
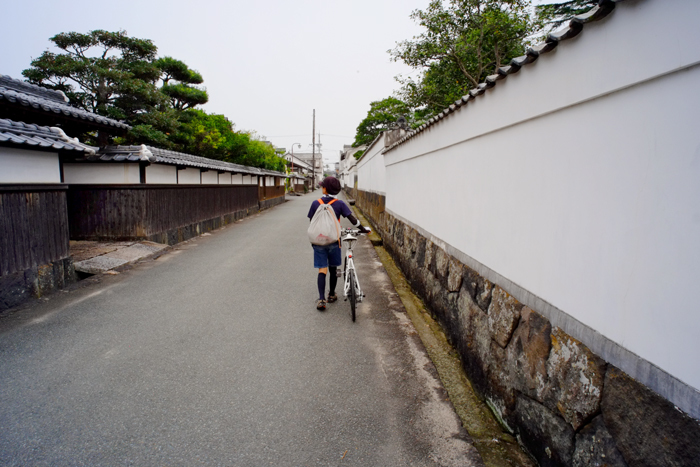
[298, 136]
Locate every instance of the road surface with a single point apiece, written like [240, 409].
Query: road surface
[214, 354]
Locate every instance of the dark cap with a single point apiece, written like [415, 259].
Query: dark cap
[332, 185]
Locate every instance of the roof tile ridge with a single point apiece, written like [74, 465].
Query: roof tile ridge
[51, 104]
[46, 93]
[574, 28]
[74, 141]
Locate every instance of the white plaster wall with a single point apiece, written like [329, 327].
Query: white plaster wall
[162, 174]
[371, 173]
[101, 173]
[237, 179]
[210, 178]
[225, 178]
[26, 166]
[189, 176]
[578, 180]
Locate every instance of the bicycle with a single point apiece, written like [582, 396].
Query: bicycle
[351, 289]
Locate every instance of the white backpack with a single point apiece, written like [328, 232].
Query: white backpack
[324, 228]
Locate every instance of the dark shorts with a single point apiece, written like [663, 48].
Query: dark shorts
[327, 255]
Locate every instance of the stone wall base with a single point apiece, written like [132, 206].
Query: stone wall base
[566, 405]
[271, 202]
[181, 234]
[35, 282]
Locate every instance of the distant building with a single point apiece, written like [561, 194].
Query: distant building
[315, 161]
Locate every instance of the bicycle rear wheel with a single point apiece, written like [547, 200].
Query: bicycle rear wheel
[352, 295]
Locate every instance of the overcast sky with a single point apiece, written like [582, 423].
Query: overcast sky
[266, 63]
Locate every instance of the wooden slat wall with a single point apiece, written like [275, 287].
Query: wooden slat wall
[272, 192]
[138, 211]
[33, 226]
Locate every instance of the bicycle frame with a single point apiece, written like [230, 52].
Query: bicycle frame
[348, 237]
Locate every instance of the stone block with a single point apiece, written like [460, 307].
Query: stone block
[432, 288]
[454, 276]
[576, 379]
[45, 279]
[420, 250]
[58, 274]
[475, 330]
[412, 238]
[69, 271]
[478, 287]
[548, 437]
[484, 361]
[99, 264]
[527, 354]
[498, 377]
[31, 281]
[504, 314]
[409, 241]
[647, 428]
[398, 233]
[429, 255]
[442, 260]
[13, 290]
[594, 447]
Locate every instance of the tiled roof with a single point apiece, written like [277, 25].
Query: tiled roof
[47, 100]
[124, 153]
[34, 136]
[164, 156]
[575, 26]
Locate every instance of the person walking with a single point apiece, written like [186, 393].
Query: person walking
[327, 258]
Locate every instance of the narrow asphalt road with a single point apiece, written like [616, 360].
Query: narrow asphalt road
[214, 354]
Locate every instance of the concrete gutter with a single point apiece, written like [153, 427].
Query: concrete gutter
[495, 445]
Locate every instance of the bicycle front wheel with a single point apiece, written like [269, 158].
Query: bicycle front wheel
[352, 294]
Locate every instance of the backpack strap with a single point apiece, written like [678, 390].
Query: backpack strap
[320, 201]
[333, 201]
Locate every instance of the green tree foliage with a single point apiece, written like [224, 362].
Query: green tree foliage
[262, 154]
[104, 72]
[551, 16]
[463, 42]
[183, 93]
[111, 74]
[117, 76]
[382, 116]
[214, 136]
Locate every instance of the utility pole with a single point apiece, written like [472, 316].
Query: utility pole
[313, 150]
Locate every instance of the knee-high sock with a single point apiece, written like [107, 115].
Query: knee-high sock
[322, 286]
[334, 280]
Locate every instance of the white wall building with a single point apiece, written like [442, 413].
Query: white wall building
[576, 182]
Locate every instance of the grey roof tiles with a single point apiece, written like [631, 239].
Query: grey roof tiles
[575, 26]
[165, 156]
[50, 101]
[40, 137]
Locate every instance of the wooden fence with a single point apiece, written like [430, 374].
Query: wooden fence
[33, 226]
[269, 192]
[163, 213]
[34, 253]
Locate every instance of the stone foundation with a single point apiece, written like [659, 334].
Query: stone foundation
[35, 282]
[271, 202]
[566, 405]
[181, 234]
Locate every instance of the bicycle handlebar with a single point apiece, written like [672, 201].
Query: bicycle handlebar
[345, 231]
